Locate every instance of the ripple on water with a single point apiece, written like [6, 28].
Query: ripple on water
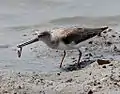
[2, 46]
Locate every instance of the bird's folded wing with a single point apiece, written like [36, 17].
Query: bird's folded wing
[80, 34]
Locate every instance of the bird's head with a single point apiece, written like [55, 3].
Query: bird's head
[43, 36]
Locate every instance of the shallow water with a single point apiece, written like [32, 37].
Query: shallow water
[19, 17]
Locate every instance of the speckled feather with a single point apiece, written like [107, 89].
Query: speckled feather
[75, 35]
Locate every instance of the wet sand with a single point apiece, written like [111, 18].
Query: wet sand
[93, 79]
[89, 78]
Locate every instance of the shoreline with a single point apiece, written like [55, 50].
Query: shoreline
[99, 79]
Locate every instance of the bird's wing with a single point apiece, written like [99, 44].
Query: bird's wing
[77, 35]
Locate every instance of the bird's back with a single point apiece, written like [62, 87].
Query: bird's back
[65, 38]
[79, 34]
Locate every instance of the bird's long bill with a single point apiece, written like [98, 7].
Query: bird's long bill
[28, 42]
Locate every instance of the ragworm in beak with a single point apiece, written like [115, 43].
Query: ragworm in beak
[25, 44]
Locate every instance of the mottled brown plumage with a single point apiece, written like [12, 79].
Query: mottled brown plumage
[78, 35]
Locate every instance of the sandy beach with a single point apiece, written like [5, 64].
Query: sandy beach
[93, 79]
[98, 74]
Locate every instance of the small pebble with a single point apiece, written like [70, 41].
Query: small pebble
[103, 66]
[115, 83]
[95, 84]
[104, 32]
[99, 86]
[57, 51]
[110, 64]
[109, 30]
[58, 73]
[19, 87]
[5, 91]
[69, 80]
[106, 75]
[25, 35]
[113, 36]
[109, 43]
[18, 72]
[42, 92]
[90, 42]
[98, 82]
[102, 62]
[31, 48]
[72, 58]
[90, 73]
[90, 54]
[24, 93]
[86, 49]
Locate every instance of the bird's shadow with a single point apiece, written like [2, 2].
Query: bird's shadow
[75, 66]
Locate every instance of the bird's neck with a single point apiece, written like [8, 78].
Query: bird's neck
[50, 42]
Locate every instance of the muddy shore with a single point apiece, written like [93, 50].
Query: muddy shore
[92, 77]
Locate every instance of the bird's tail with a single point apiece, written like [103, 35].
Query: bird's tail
[104, 28]
[101, 30]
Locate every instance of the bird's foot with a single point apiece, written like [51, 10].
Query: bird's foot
[79, 65]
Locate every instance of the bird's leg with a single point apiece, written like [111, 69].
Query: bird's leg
[80, 54]
[63, 58]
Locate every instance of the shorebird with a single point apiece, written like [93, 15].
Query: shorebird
[65, 39]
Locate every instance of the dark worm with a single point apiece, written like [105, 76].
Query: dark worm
[19, 52]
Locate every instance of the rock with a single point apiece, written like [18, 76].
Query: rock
[102, 62]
